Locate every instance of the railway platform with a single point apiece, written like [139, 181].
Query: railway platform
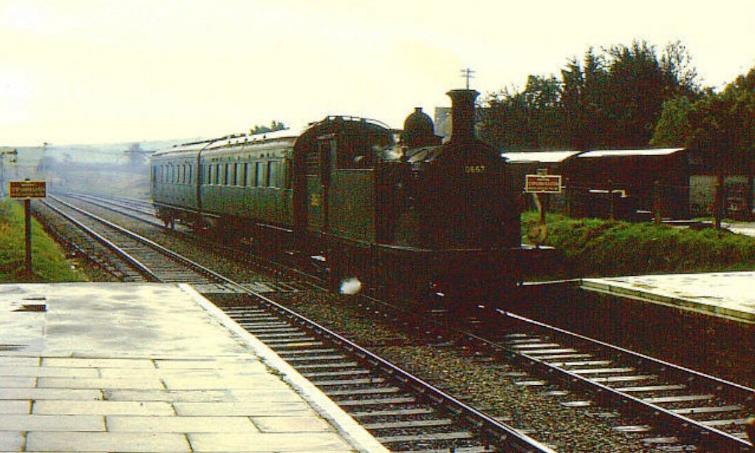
[150, 368]
[724, 294]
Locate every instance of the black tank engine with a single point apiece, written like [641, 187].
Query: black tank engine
[404, 214]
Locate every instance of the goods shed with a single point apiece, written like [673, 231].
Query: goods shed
[628, 183]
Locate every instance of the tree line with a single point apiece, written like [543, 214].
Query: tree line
[623, 97]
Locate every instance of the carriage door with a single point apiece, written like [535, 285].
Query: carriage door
[319, 169]
[154, 175]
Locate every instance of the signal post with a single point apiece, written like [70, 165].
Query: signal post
[26, 190]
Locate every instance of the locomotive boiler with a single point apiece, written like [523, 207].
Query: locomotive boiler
[406, 215]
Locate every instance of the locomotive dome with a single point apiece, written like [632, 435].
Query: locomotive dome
[418, 129]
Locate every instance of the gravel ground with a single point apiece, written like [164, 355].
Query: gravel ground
[711, 345]
[485, 385]
[226, 266]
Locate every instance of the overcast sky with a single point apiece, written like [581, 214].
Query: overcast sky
[86, 71]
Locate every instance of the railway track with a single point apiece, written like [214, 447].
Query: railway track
[402, 411]
[675, 409]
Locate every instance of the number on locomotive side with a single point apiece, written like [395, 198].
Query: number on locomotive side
[474, 169]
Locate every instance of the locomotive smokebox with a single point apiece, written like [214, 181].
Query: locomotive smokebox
[462, 115]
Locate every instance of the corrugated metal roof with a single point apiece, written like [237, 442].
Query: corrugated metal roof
[540, 156]
[631, 152]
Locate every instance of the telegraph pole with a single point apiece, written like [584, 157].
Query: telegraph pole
[467, 74]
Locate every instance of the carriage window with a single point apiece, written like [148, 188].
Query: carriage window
[247, 176]
[217, 174]
[272, 173]
[209, 174]
[189, 178]
[235, 174]
[259, 172]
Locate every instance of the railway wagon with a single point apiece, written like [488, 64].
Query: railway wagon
[409, 217]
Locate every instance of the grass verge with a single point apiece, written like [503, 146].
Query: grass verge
[49, 263]
[597, 247]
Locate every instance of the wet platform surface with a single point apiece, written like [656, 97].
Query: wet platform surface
[150, 368]
[726, 294]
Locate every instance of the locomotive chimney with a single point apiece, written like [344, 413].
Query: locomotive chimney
[462, 115]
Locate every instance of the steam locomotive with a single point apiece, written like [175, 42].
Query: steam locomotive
[405, 214]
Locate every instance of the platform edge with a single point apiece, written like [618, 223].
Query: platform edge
[347, 427]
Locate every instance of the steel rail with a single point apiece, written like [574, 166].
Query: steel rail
[269, 264]
[704, 435]
[731, 388]
[497, 433]
[138, 265]
[112, 207]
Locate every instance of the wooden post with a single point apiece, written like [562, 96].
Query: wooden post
[544, 204]
[611, 200]
[748, 198]
[718, 202]
[27, 221]
[567, 187]
[657, 202]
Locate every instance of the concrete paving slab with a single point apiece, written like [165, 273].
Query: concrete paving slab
[98, 363]
[58, 407]
[15, 407]
[211, 364]
[181, 424]
[322, 442]
[146, 367]
[49, 394]
[169, 395]
[108, 441]
[264, 380]
[291, 424]
[18, 382]
[297, 408]
[21, 361]
[38, 371]
[100, 383]
[728, 295]
[11, 441]
[52, 423]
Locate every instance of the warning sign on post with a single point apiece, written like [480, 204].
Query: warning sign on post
[542, 183]
[27, 189]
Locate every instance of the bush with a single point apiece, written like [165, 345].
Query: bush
[595, 247]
